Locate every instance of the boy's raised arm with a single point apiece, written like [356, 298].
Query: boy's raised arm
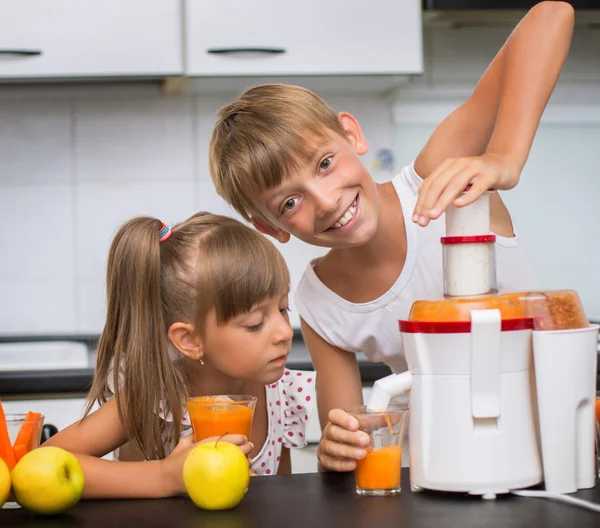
[487, 140]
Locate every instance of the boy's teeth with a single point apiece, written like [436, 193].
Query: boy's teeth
[347, 216]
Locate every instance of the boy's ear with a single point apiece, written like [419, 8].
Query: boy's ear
[185, 340]
[353, 132]
[268, 229]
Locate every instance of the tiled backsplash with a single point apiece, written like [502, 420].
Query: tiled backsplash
[76, 162]
[72, 170]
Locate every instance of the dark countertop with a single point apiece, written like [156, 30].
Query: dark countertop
[61, 381]
[321, 500]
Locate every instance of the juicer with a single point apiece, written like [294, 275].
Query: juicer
[485, 418]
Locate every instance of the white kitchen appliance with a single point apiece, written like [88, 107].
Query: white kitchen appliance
[475, 422]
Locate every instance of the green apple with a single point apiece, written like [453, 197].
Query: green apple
[4, 482]
[216, 475]
[48, 480]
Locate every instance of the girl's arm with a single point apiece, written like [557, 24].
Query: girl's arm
[98, 434]
[498, 122]
[285, 464]
[102, 432]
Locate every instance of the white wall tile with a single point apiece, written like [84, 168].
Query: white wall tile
[38, 232]
[555, 209]
[206, 109]
[461, 55]
[92, 305]
[208, 200]
[144, 139]
[375, 118]
[103, 207]
[35, 142]
[37, 306]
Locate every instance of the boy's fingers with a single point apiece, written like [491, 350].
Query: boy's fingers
[351, 438]
[338, 450]
[479, 186]
[433, 186]
[343, 419]
[336, 464]
[453, 189]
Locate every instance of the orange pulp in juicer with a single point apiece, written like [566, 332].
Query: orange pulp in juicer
[551, 310]
[218, 416]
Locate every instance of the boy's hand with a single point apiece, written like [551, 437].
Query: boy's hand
[173, 464]
[446, 183]
[341, 442]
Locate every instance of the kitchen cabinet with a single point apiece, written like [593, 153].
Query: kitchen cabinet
[271, 37]
[85, 38]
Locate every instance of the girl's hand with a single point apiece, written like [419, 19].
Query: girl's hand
[342, 444]
[446, 183]
[173, 464]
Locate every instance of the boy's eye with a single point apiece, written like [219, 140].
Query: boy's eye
[325, 164]
[285, 311]
[289, 204]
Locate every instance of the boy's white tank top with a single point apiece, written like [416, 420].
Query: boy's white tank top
[372, 327]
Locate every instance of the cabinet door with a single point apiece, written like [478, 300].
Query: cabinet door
[85, 38]
[271, 37]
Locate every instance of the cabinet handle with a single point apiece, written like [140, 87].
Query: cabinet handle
[21, 52]
[232, 51]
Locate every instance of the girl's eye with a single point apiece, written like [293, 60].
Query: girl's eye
[289, 204]
[255, 328]
[325, 164]
[285, 311]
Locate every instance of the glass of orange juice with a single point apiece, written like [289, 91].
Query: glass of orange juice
[221, 414]
[379, 472]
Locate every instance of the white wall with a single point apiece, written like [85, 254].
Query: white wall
[77, 161]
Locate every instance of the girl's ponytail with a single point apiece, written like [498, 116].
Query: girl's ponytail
[133, 358]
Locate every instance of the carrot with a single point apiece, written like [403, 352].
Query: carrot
[26, 437]
[6, 452]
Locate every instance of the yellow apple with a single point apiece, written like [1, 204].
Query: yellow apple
[47, 480]
[4, 482]
[216, 475]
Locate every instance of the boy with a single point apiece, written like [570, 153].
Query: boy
[288, 163]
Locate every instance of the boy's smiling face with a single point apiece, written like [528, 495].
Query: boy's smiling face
[331, 201]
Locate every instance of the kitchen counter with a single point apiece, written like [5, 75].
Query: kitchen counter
[15, 383]
[321, 500]
[67, 380]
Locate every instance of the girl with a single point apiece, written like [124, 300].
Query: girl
[199, 309]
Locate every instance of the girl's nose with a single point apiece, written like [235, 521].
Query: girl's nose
[285, 332]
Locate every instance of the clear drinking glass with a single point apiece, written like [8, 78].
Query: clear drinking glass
[24, 434]
[30, 430]
[379, 472]
[222, 414]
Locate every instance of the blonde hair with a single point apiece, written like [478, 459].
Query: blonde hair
[209, 262]
[267, 132]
